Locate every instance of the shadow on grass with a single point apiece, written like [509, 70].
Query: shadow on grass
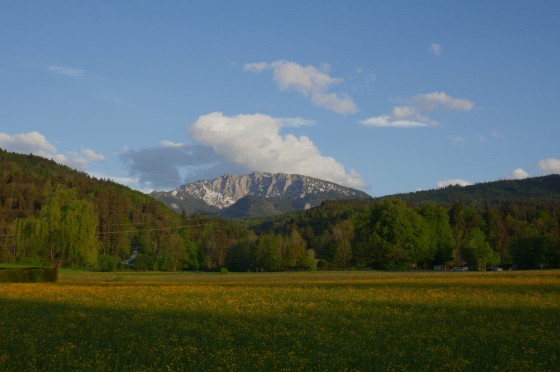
[28, 275]
[57, 336]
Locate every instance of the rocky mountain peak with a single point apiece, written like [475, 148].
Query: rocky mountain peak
[223, 192]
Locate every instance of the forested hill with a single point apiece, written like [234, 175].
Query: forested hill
[26, 181]
[127, 219]
[529, 189]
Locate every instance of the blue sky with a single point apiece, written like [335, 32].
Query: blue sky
[384, 96]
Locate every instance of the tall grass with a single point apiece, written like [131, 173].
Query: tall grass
[309, 321]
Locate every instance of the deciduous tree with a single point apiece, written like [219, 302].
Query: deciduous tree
[64, 231]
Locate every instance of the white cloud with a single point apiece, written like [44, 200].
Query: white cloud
[454, 181]
[333, 102]
[403, 112]
[66, 71]
[401, 117]
[125, 180]
[128, 181]
[91, 155]
[27, 143]
[410, 116]
[167, 143]
[37, 144]
[518, 174]
[550, 166]
[436, 49]
[295, 122]
[304, 79]
[82, 159]
[254, 142]
[387, 121]
[256, 67]
[309, 81]
[131, 182]
[434, 100]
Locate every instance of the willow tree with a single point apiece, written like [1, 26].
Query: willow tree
[64, 231]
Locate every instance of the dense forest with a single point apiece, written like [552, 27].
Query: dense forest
[390, 234]
[123, 221]
[51, 214]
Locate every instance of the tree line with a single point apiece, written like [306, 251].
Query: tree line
[391, 234]
[386, 234]
[52, 214]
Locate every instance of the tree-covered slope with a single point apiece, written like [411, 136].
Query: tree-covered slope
[535, 188]
[26, 181]
[127, 220]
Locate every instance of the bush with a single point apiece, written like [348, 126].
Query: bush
[28, 275]
[323, 264]
[143, 262]
[108, 263]
[163, 263]
[399, 266]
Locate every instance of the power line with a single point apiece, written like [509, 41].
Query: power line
[135, 230]
[132, 224]
[103, 225]
[155, 229]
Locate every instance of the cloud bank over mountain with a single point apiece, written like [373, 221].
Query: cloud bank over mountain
[237, 144]
[254, 141]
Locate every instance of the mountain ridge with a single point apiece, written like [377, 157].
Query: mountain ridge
[280, 192]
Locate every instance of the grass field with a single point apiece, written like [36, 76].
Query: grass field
[286, 321]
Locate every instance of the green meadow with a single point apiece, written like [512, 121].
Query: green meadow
[283, 321]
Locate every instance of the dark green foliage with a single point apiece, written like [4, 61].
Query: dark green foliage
[531, 250]
[64, 230]
[508, 222]
[476, 251]
[108, 263]
[268, 253]
[125, 219]
[28, 275]
[393, 235]
[143, 262]
[255, 206]
[27, 181]
[535, 189]
[387, 233]
[239, 257]
[441, 238]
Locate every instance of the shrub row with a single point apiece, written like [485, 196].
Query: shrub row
[28, 275]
